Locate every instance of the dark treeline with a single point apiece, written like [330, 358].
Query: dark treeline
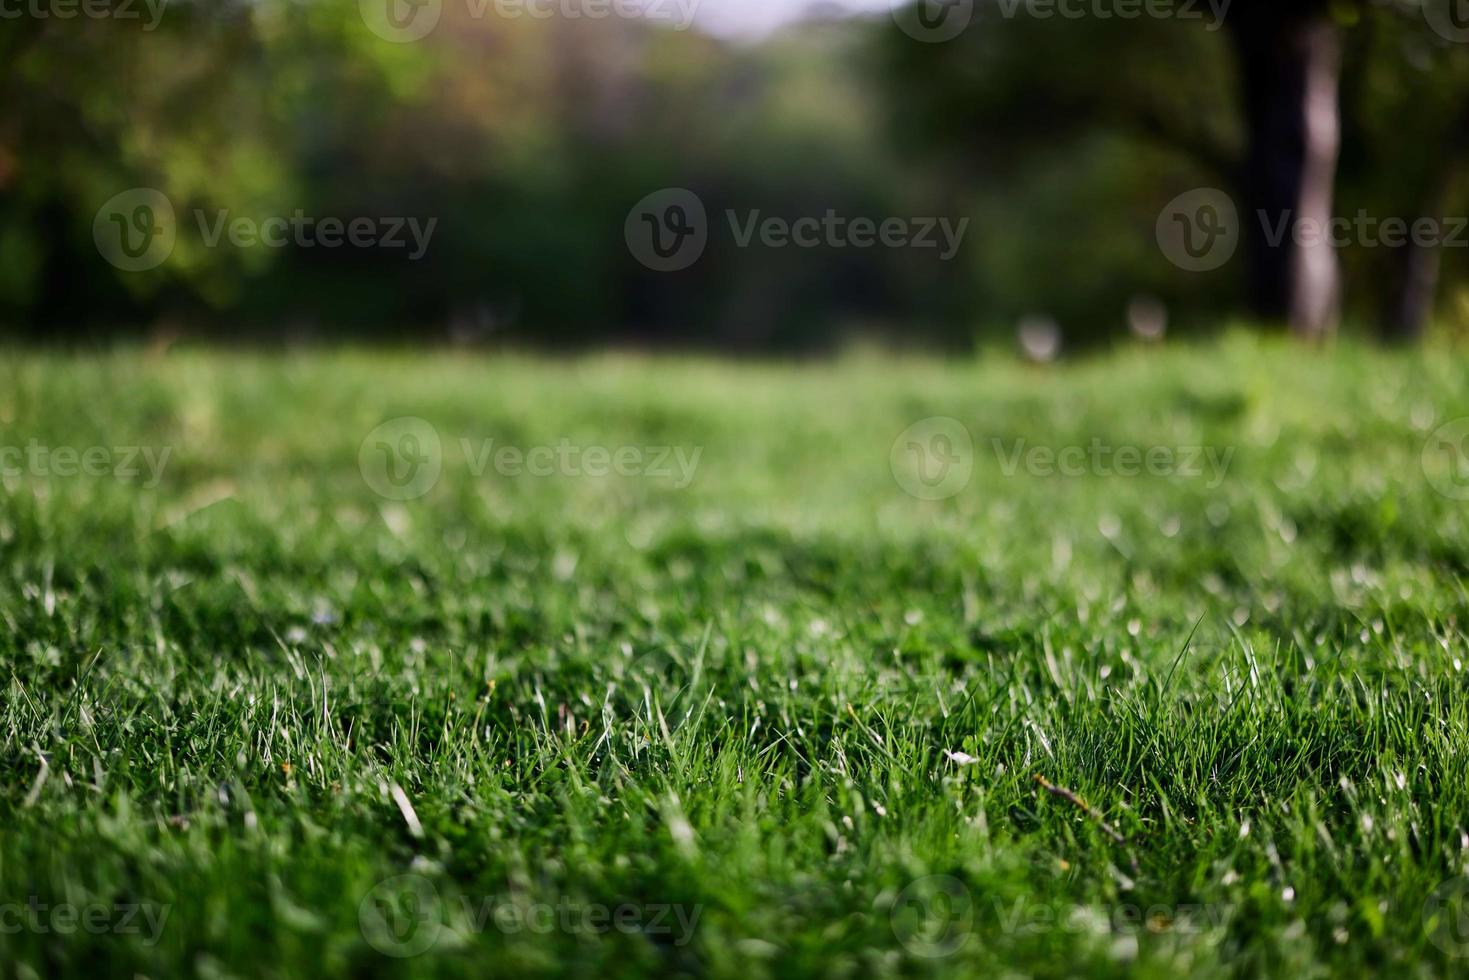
[496, 159]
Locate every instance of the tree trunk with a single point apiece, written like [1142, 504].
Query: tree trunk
[1290, 65]
[1412, 301]
[1417, 262]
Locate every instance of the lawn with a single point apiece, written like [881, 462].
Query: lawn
[364, 663]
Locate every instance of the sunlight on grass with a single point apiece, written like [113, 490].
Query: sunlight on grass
[785, 719]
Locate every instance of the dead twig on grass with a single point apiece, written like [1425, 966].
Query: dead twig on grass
[1070, 797]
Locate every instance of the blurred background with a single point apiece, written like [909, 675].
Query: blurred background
[527, 131]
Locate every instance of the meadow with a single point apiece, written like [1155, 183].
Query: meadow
[365, 663]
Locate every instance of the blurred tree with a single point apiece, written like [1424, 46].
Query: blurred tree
[1062, 136]
[1405, 106]
[1407, 103]
[1370, 94]
[1290, 66]
[527, 140]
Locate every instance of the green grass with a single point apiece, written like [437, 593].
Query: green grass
[251, 698]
